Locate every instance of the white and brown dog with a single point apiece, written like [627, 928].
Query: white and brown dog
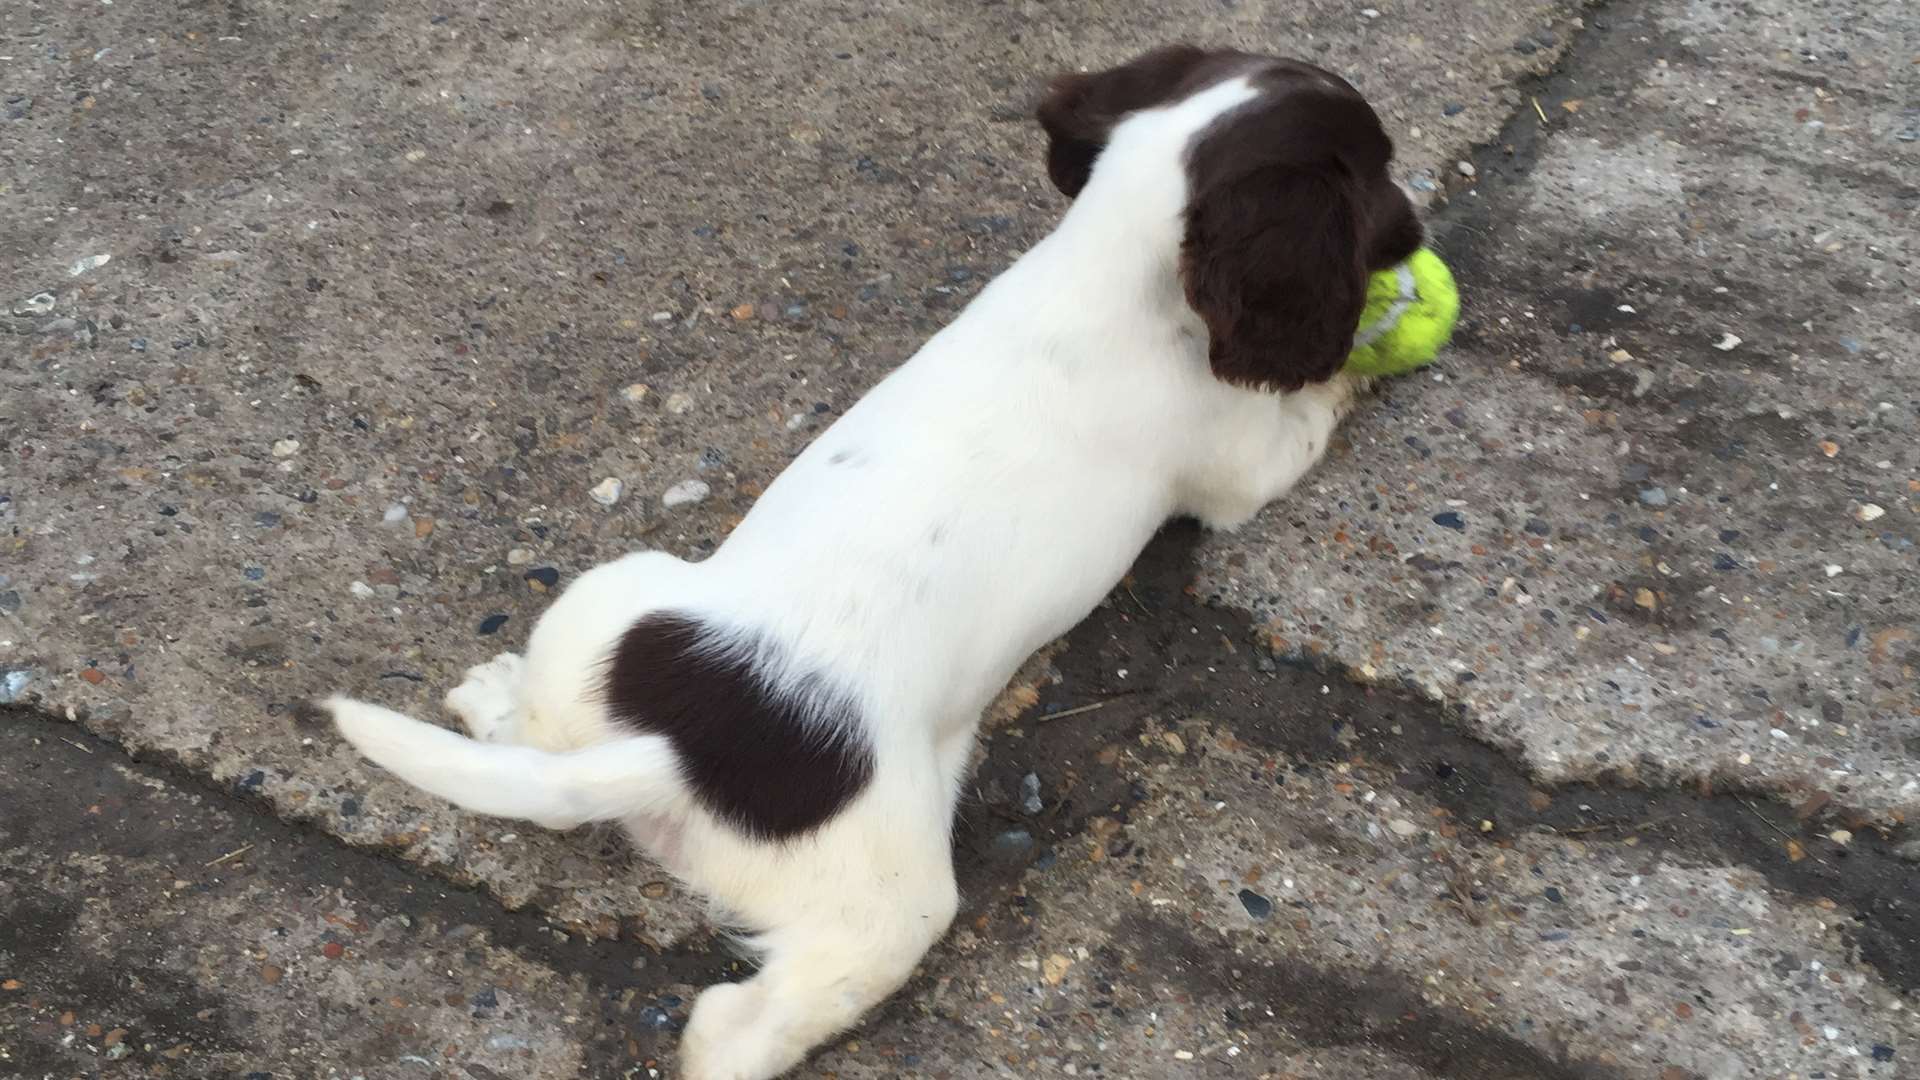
[786, 725]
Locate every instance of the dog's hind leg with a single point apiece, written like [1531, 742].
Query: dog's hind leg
[817, 980]
[832, 961]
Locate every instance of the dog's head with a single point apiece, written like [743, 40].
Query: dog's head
[1289, 206]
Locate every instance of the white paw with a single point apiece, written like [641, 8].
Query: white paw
[727, 1037]
[488, 702]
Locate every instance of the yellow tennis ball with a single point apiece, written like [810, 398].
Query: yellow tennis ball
[1409, 315]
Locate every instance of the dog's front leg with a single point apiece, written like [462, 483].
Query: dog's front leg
[1264, 448]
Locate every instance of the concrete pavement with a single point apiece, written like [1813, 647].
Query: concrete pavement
[1562, 725]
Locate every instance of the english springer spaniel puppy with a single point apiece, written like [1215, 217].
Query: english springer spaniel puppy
[786, 725]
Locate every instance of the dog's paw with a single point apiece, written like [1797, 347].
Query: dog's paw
[728, 1037]
[488, 702]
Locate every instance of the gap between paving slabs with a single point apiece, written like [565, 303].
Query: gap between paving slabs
[607, 960]
[1320, 716]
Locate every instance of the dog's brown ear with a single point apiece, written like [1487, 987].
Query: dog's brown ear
[1273, 262]
[1080, 109]
[1287, 205]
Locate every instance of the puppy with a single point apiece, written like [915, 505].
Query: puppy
[787, 724]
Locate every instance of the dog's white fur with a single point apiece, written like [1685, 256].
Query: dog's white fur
[994, 488]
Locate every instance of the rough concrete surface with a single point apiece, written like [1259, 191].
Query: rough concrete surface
[393, 292]
[1562, 725]
[1655, 517]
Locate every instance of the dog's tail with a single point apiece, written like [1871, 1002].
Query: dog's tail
[637, 775]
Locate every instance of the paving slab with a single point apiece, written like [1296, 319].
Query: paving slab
[1654, 518]
[326, 323]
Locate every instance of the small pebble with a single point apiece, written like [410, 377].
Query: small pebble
[1466, 168]
[91, 262]
[1054, 968]
[13, 684]
[395, 515]
[1257, 906]
[492, 624]
[608, 491]
[286, 448]
[1870, 512]
[519, 557]
[544, 576]
[1654, 496]
[1450, 520]
[1841, 837]
[1013, 844]
[679, 404]
[1402, 827]
[361, 589]
[685, 493]
[1727, 342]
[634, 392]
[1030, 794]
[1453, 109]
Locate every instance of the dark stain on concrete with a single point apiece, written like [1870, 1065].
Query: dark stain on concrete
[59, 792]
[1326, 1008]
[1174, 673]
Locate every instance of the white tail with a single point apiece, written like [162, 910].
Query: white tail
[617, 779]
